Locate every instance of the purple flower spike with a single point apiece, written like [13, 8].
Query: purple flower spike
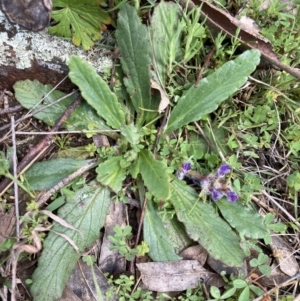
[186, 166]
[231, 195]
[216, 194]
[205, 183]
[196, 181]
[224, 170]
[180, 174]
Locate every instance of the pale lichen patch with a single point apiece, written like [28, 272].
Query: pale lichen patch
[20, 47]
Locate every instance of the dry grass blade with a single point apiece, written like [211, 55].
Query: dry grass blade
[69, 240]
[59, 220]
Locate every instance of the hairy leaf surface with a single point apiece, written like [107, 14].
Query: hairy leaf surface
[178, 235]
[165, 38]
[247, 222]
[130, 132]
[212, 90]
[96, 92]
[154, 175]
[157, 237]
[132, 39]
[111, 173]
[46, 174]
[204, 225]
[29, 94]
[86, 212]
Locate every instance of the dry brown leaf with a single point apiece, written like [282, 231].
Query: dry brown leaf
[251, 27]
[69, 240]
[284, 256]
[112, 261]
[81, 284]
[7, 224]
[60, 220]
[173, 275]
[219, 20]
[101, 140]
[195, 253]
[27, 248]
[21, 246]
[220, 267]
[164, 102]
[68, 295]
[277, 276]
[36, 239]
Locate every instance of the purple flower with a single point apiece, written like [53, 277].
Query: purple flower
[213, 184]
[205, 183]
[231, 195]
[216, 194]
[186, 166]
[196, 181]
[183, 170]
[223, 170]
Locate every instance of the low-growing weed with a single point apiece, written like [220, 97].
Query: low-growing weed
[222, 141]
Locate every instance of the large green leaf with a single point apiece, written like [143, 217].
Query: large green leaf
[111, 173]
[29, 94]
[177, 233]
[157, 237]
[154, 175]
[96, 92]
[212, 90]
[85, 118]
[46, 174]
[81, 20]
[204, 225]
[132, 39]
[165, 38]
[247, 222]
[86, 212]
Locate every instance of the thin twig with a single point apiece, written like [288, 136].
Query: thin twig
[15, 256]
[65, 181]
[204, 136]
[281, 208]
[65, 132]
[297, 298]
[11, 110]
[163, 123]
[137, 239]
[38, 110]
[285, 283]
[40, 148]
[262, 204]
[15, 173]
[207, 59]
